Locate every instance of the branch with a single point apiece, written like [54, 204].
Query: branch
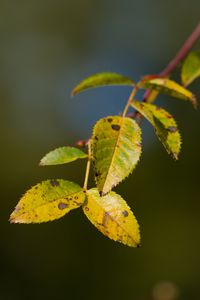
[195, 35]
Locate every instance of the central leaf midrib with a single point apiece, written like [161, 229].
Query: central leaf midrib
[118, 224]
[115, 148]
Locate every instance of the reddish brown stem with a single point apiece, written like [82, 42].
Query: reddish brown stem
[183, 52]
[195, 35]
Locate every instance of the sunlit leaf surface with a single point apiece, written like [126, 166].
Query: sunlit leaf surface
[62, 155]
[191, 68]
[47, 201]
[164, 124]
[169, 87]
[113, 217]
[116, 149]
[102, 79]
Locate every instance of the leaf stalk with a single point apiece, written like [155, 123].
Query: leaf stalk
[87, 172]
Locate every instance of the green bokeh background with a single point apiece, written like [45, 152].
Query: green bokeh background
[46, 48]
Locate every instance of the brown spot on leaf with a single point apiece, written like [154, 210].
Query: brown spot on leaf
[172, 129]
[68, 198]
[125, 213]
[87, 208]
[115, 127]
[110, 120]
[54, 182]
[105, 218]
[62, 205]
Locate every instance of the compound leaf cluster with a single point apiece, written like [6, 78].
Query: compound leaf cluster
[114, 148]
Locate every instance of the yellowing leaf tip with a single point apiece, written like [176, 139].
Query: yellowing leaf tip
[175, 156]
[194, 102]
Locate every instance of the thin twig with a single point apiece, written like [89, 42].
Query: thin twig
[87, 172]
[195, 35]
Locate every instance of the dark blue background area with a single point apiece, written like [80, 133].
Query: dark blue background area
[46, 48]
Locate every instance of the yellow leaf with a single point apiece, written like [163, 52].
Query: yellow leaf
[112, 216]
[168, 87]
[116, 149]
[47, 201]
[164, 124]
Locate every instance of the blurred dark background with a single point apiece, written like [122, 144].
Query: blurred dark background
[46, 48]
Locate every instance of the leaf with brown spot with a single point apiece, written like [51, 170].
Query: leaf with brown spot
[168, 87]
[48, 201]
[164, 124]
[61, 156]
[102, 79]
[116, 150]
[112, 216]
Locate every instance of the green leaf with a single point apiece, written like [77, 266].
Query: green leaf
[48, 201]
[164, 124]
[102, 79]
[116, 149]
[191, 68]
[62, 155]
[112, 216]
[168, 87]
